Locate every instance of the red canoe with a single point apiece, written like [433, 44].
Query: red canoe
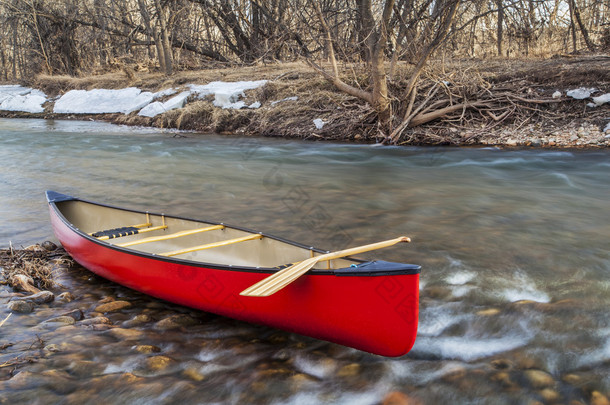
[367, 305]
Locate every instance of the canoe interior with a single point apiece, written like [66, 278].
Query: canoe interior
[266, 252]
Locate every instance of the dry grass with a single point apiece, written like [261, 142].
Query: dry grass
[35, 262]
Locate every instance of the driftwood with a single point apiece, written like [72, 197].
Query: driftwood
[24, 283]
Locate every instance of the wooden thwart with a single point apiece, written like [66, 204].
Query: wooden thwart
[171, 236]
[212, 245]
[282, 278]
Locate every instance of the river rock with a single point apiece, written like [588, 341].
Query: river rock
[147, 349]
[158, 363]
[52, 348]
[76, 314]
[41, 297]
[126, 334]
[68, 320]
[549, 395]
[24, 307]
[65, 297]
[112, 306]
[175, 321]
[48, 245]
[349, 370]
[539, 378]
[137, 320]
[399, 398]
[193, 374]
[98, 320]
[597, 398]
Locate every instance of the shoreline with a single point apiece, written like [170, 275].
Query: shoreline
[523, 106]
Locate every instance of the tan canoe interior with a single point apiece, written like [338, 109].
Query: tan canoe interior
[171, 237]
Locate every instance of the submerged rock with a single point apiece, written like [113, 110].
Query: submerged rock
[126, 334]
[158, 363]
[42, 297]
[24, 307]
[539, 378]
[65, 297]
[147, 349]
[175, 321]
[112, 306]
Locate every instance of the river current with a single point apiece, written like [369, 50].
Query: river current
[513, 244]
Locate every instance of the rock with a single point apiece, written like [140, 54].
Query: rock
[24, 307]
[549, 395]
[574, 138]
[42, 297]
[68, 320]
[52, 348]
[349, 370]
[399, 398]
[502, 364]
[98, 320]
[65, 297]
[489, 312]
[24, 283]
[539, 378]
[193, 374]
[536, 142]
[147, 349]
[112, 306]
[76, 314]
[126, 334]
[48, 245]
[175, 321]
[137, 320]
[571, 379]
[158, 363]
[503, 378]
[597, 398]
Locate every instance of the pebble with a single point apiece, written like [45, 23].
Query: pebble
[539, 378]
[65, 297]
[147, 349]
[48, 245]
[126, 334]
[112, 306]
[597, 398]
[175, 321]
[42, 297]
[549, 395]
[23, 307]
[349, 370]
[158, 363]
[68, 320]
[193, 374]
[98, 320]
[399, 398]
[76, 314]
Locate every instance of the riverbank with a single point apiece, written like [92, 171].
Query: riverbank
[520, 103]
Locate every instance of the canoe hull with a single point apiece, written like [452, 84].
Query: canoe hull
[377, 314]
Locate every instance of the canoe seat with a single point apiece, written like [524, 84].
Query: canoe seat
[116, 232]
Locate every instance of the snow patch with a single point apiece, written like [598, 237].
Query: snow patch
[319, 123]
[607, 127]
[166, 92]
[101, 101]
[158, 107]
[604, 98]
[18, 98]
[226, 94]
[580, 93]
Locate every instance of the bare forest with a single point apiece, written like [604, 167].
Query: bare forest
[376, 53]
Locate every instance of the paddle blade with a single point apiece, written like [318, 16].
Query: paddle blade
[279, 280]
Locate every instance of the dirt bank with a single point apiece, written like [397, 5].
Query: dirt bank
[514, 103]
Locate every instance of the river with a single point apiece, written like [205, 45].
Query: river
[513, 244]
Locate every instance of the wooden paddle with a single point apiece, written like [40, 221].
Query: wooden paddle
[282, 278]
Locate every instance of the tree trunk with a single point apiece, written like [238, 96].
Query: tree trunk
[500, 32]
[167, 49]
[583, 29]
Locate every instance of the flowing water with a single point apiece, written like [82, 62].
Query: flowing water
[514, 248]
